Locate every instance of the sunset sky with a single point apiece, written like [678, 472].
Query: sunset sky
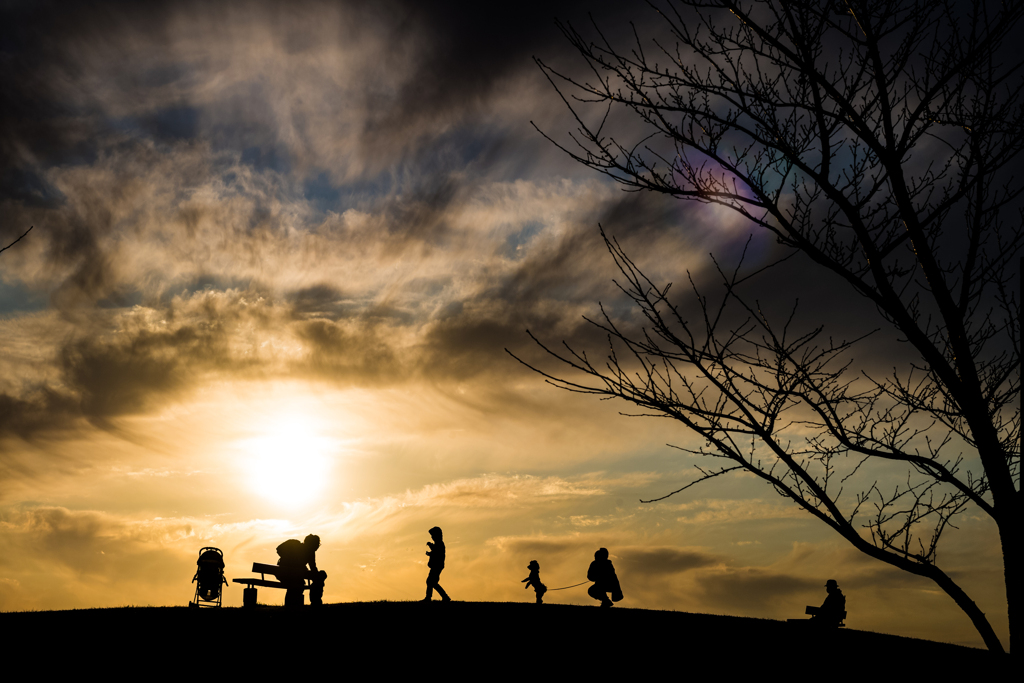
[279, 250]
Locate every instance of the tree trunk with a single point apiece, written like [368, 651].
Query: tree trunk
[1009, 539]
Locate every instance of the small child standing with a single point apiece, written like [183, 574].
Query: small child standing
[436, 564]
[534, 580]
[316, 589]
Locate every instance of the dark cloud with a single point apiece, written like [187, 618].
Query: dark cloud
[91, 543]
[156, 175]
[465, 346]
[420, 218]
[752, 589]
[471, 51]
[40, 55]
[126, 377]
[43, 409]
[547, 290]
[104, 376]
[551, 549]
[66, 538]
[172, 349]
[639, 218]
[578, 267]
[654, 561]
[453, 58]
[473, 341]
[566, 270]
[359, 353]
[319, 301]
[464, 54]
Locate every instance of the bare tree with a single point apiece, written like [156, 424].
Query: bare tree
[876, 139]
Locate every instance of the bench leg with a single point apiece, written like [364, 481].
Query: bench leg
[249, 597]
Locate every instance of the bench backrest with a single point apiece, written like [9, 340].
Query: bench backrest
[272, 569]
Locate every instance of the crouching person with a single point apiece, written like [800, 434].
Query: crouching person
[602, 573]
[294, 558]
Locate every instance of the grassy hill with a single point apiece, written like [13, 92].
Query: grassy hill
[463, 640]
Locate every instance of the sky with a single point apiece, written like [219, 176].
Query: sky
[278, 253]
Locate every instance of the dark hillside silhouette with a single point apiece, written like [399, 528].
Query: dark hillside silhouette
[480, 637]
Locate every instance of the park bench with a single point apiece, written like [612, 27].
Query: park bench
[812, 610]
[249, 594]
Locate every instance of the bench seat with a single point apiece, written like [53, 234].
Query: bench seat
[265, 583]
[249, 597]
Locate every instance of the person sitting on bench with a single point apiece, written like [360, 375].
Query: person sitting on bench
[295, 556]
[833, 610]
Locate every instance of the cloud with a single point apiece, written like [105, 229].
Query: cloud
[41, 409]
[352, 88]
[752, 589]
[53, 557]
[227, 157]
[258, 296]
[550, 548]
[712, 511]
[502, 491]
[91, 544]
[654, 561]
[494, 493]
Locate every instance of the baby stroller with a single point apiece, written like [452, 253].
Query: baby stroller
[209, 578]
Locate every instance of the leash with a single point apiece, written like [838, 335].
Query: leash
[564, 587]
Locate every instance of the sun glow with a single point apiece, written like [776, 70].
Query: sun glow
[289, 462]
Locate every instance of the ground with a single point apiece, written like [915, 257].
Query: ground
[464, 640]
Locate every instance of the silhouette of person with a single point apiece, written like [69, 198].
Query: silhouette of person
[602, 573]
[436, 564]
[294, 558]
[316, 590]
[833, 610]
[534, 580]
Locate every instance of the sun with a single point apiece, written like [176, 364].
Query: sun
[289, 462]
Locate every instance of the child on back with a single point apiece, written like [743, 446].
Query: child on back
[534, 580]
